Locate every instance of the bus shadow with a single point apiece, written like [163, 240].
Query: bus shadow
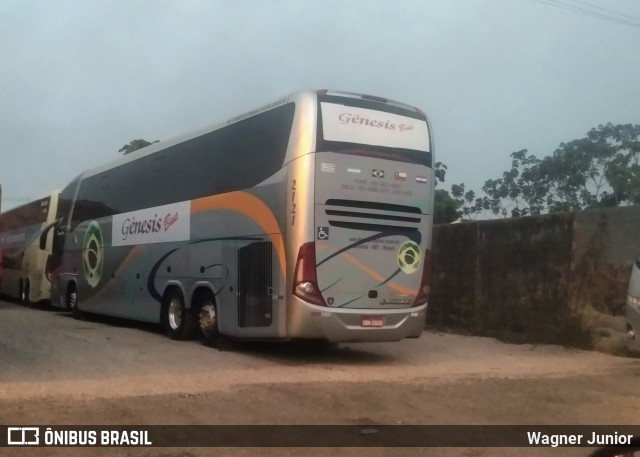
[11, 302]
[117, 322]
[308, 352]
[288, 353]
[297, 352]
[42, 305]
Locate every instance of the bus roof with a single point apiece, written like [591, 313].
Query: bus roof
[16, 208]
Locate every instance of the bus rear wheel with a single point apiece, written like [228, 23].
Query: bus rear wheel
[205, 303]
[179, 322]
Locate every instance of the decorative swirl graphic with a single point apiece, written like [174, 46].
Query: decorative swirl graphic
[92, 254]
[409, 257]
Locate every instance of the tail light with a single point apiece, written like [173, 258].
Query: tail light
[425, 283]
[305, 284]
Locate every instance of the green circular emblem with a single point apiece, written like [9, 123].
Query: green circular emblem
[92, 254]
[409, 257]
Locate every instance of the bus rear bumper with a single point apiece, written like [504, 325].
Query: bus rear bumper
[354, 325]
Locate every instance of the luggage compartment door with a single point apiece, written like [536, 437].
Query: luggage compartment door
[255, 285]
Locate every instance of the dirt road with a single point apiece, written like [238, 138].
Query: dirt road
[56, 370]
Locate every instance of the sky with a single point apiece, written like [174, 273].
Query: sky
[80, 79]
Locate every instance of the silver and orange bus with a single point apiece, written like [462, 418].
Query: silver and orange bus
[26, 261]
[309, 217]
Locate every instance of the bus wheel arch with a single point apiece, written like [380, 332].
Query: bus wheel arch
[206, 306]
[178, 321]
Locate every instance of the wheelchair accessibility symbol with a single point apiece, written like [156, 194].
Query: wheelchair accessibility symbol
[323, 233]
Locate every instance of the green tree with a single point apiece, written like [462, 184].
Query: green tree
[599, 170]
[445, 207]
[135, 145]
[623, 170]
[451, 206]
[467, 203]
[519, 192]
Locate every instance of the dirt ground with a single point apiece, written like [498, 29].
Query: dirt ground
[55, 370]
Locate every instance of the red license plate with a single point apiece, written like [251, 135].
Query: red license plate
[372, 321]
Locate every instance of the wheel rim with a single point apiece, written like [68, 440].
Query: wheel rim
[208, 319]
[73, 300]
[175, 313]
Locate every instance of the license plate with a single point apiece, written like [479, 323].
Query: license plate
[372, 321]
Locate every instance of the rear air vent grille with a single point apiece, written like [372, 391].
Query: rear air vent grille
[373, 205]
[386, 217]
[372, 227]
[372, 216]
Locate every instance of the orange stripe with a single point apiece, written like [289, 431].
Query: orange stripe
[253, 208]
[375, 275]
[128, 259]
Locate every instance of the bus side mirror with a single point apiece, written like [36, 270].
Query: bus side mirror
[45, 233]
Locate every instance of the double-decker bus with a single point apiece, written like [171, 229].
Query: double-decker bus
[309, 218]
[25, 244]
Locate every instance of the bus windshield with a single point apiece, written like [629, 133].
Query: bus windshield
[365, 127]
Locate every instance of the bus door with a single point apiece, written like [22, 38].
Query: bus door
[56, 241]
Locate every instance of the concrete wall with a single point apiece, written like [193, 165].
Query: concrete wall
[528, 279]
[606, 242]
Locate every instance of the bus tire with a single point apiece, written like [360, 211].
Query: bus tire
[205, 304]
[25, 291]
[21, 292]
[26, 299]
[73, 303]
[179, 322]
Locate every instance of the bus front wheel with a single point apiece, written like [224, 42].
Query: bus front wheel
[24, 292]
[27, 294]
[72, 302]
[208, 319]
[179, 322]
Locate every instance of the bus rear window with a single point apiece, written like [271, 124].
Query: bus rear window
[364, 127]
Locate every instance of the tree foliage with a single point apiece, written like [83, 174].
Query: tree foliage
[134, 145]
[599, 170]
[446, 208]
